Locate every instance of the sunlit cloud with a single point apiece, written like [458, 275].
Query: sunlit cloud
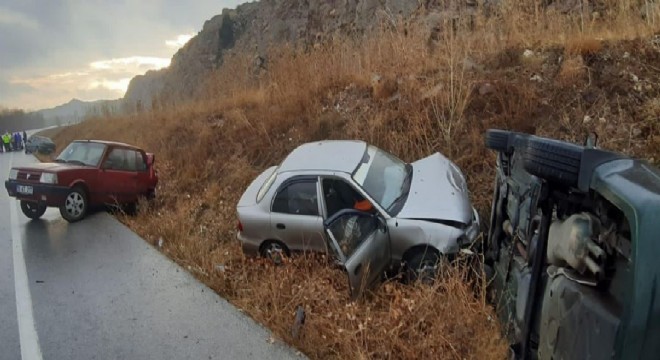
[13, 18]
[113, 74]
[66, 78]
[179, 41]
[119, 86]
[131, 62]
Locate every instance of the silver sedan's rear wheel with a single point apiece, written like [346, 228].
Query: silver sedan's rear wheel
[74, 207]
[274, 251]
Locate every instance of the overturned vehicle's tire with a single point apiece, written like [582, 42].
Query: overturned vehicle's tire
[556, 161]
[498, 140]
[553, 160]
[505, 141]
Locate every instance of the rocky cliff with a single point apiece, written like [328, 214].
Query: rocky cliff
[254, 27]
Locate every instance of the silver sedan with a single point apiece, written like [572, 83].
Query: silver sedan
[360, 203]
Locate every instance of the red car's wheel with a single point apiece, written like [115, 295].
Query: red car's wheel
[32, 209]
[74, 207]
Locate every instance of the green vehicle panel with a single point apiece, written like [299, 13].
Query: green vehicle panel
[572, 247]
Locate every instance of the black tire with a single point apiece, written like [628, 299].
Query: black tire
[130, 209]
[274, 251]
[75, 205]
[553, 160]
[497, 140]
[422, 265]
[151, 194]
[33, 210]
[505, 141]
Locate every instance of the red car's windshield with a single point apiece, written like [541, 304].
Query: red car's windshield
[83, 153]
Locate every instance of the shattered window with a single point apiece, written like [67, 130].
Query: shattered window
[351, 230]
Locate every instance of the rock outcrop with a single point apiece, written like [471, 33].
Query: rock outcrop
[254, 27]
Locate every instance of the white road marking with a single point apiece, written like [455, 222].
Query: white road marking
[27, 331]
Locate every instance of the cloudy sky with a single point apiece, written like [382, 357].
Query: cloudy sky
[54, 50]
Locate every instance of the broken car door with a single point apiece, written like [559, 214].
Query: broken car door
[361, 243]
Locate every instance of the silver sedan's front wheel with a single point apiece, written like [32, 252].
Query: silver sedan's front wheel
[423, 265]
[74, 207]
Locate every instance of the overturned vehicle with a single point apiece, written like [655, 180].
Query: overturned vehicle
[573, 249]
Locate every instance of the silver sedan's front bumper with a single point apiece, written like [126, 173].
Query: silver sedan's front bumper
[471, 234]
[473, 229]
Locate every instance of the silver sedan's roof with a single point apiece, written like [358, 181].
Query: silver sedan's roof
[326, 155]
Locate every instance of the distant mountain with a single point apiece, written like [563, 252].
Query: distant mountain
[76, 110]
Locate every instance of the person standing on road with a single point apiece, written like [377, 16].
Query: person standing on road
[6, 139]
[19, 140]
[24, 138]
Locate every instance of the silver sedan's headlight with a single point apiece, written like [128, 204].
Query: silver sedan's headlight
[13, 174]
[48, 178]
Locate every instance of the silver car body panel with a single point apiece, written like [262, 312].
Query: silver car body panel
[299, 232]
[249, 196]
[253, 215]
[408, 233]
[327, 155]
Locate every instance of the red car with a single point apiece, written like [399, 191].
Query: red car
[87, 173]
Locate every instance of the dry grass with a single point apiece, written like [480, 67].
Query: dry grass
[428, 96]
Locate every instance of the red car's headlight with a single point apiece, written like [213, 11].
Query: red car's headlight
[48, 178]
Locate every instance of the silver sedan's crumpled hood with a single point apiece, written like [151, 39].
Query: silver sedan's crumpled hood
[438, 191]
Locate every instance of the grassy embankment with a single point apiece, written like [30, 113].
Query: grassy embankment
[584, 74]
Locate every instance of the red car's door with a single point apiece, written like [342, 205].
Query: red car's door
[142, 184]
[118, 176]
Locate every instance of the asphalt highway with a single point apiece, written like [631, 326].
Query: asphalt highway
[95, 290]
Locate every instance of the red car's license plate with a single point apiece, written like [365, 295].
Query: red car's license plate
[23, 189]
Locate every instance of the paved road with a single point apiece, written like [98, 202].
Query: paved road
[95, 290]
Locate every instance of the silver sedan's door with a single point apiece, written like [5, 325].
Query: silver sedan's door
[298, 232]
[295, 217]
[361, 243]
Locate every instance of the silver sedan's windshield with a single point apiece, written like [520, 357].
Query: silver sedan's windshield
[82, 153]
[382, 175]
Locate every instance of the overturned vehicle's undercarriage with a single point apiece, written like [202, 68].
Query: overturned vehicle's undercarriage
[573, 250]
